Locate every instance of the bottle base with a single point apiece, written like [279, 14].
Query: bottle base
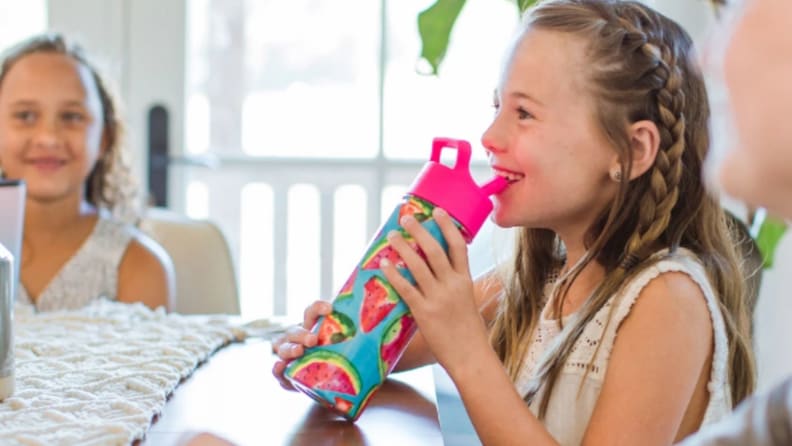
[6, 387]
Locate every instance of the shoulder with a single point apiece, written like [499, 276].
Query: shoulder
[145, 273]
[145, 253]
[670, 302]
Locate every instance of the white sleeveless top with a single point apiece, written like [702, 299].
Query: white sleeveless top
[574, 397]
[91, 273]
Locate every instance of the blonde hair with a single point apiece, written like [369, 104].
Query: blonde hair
[110, 184]
[639, 68]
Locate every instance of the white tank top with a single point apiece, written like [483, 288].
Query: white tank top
[574, 397]
[91, 273]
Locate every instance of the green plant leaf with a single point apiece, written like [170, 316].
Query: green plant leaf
[767, 239]
[525, 4]
[434, 26]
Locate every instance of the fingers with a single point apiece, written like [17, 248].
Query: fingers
[314, 311]
[406, 290]
[457, 247]
[277, 371]
[436, 258]
[291, 344]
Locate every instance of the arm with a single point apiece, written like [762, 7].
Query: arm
[146, 274]
[655, 385]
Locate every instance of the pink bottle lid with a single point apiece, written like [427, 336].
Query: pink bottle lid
[454, 189]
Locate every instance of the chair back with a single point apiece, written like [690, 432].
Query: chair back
[206, 280]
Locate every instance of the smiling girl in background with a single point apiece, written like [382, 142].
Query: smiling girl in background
[622, 318]
[60, 132]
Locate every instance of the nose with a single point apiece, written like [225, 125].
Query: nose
[46, 135]
[492, 139]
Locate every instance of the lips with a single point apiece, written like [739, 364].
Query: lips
[47, 163]
[510, 175]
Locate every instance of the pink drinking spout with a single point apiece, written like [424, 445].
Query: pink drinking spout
[494, 186]
[453, 188]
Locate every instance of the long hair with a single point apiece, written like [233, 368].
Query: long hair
[110, 184]
[638, 68]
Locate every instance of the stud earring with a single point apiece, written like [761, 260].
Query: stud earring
[616, 175]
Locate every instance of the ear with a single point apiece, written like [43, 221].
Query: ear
[644, 143]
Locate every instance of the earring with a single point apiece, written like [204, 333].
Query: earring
[616, 175]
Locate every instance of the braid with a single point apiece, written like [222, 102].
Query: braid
[654, 215]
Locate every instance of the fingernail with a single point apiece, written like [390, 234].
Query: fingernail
[439, 212]
[392, 235]
[407, 219]
[385, 262]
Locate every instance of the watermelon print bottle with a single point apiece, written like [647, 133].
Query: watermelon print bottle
[369, 328]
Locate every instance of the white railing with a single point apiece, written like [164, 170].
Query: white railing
[272, 279]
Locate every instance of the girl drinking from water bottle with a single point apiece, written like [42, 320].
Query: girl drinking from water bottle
[622, 317]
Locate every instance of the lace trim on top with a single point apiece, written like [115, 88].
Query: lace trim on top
[90, 273]
[599, 330]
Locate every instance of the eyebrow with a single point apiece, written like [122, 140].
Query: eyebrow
[521, 95]
[29, 102]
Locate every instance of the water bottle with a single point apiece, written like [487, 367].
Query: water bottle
[369, 327]
[7, 277]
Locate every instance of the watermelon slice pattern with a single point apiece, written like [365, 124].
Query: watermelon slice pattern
[326, 370]
[416, 207]
[395, 338]
[349, 286]
[336, 327]
[379, 298]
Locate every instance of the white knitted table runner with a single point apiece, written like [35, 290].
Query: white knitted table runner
[97, 376]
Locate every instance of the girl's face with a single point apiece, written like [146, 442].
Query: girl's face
[545, 135]
[50, 125]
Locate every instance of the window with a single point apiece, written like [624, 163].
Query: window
[319, 120]
[19, 20]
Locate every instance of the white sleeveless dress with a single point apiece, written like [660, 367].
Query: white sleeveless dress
[574, 397]
[91, 273]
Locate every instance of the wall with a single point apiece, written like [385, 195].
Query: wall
[140, 44]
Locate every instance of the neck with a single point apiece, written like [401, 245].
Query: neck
[51, 217]
[588, 278]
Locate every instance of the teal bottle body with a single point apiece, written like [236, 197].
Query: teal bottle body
[370, 325]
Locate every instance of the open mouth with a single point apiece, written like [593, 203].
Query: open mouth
[511, 176]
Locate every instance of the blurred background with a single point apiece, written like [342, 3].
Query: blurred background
[296, 126]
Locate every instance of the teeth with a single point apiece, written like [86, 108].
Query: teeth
[511, 177]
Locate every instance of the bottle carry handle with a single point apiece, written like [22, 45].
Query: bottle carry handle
[463, 151]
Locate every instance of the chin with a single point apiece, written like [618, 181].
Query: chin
[503, 219]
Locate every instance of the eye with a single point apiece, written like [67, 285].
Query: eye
[523, 113]
[24, 116]
[73, 117]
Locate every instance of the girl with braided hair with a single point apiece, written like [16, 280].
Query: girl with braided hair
[622, 317]
[61, 133]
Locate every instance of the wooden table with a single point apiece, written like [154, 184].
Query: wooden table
[235, 396]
